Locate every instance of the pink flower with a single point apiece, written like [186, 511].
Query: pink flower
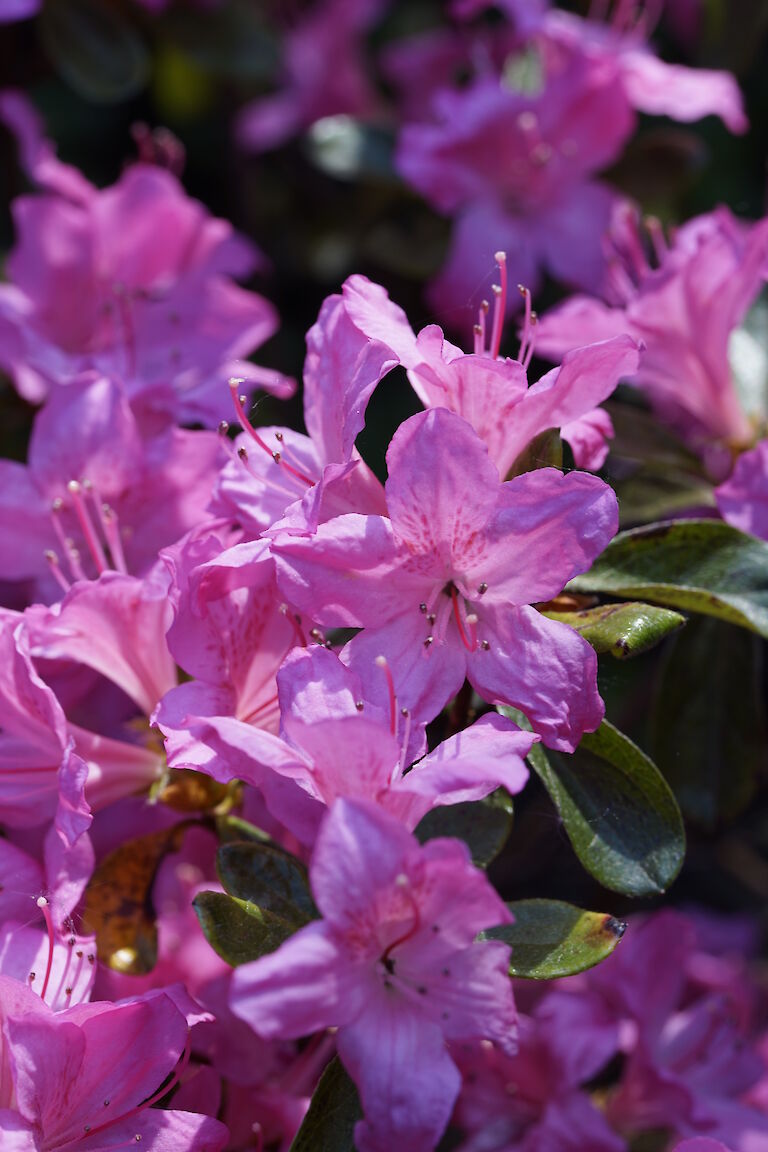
[333, 742]
[86, 1078]
[516, 170]
[135, 281]
[743, 498]
[442, 588]
[93, 480]
[492, 393]
[684, 310]
[324, 74]
[395, 966]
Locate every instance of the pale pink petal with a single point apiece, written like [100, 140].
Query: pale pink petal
[685, 94]
[743, 498]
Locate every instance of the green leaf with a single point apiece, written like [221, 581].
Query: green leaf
[483, 825]
[237, 930]
[334, 1110]
[95, 48]
[550, 938]
[708, 726]
[544, 451]
[701, 566]
[624, 630]
[618, 810]
[268, 878]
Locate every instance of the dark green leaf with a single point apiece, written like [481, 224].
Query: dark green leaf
[709, 736]
[269, 878]
[95, 48]
[619, 812]
[483, 825]
[334, 1110]
[651, 495]
[624, 630]
[550, 938]
[239, 931]
[544, 451]
[699, 565]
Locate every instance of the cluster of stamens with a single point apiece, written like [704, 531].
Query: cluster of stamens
[633, 248]
[628, 17]
[288, 478]
[438, 612]
[100, 530]
[486, 344]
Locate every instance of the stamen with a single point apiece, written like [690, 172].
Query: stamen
[531, 341]
[658, 240]
[239, 402]
[45, 908]
[86, 524]
[223, 428]
[53, 563]
[469, 642]
[268, 482]
[381, 662]
[405, 713]
[499, 304]
[482, 589]
[295, 621]
[526, 332]
[111, 529]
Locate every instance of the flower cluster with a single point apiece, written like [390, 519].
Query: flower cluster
[257, 701]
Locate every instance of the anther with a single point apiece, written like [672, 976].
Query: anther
[422, 607]
[485, 645]
[482, 589]
[223, 428]
[359, 704]
[431, 618]
[279, 436]
[429, 640]
[32, 977]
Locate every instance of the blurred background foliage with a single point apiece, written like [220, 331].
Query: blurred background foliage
[329, 203]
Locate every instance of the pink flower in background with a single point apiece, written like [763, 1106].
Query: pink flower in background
[439, 588]
[684, 309]
[96, 494]
[743, 498]
[59, 1091]
[324, 74]
[492, 393]
[516, 171]
[134, 280]
[395, 966]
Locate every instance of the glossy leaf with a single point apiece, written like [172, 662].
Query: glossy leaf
[618, 811]
[95, 47]
[701, 566]
[239, 931]
[268, 878]
[118, 905]
[624, 630]
[483, 825]
[550, 938]
[334, 1110]
[709, 732]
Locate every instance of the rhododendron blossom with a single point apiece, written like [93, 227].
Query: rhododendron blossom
[395, 966]
[438, 588]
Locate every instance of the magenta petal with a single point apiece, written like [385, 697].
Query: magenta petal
[685, 94]
[161, 1131]
[743, 498]
[359, 851]
[342, 368]
[349, 574]
[488, 754]
[115, 625]
[369, 307]
[543, 668]
[586, 377]
[352, 756]
[306, 985]
[407, 1082]
[442, 487]
[549, 528]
